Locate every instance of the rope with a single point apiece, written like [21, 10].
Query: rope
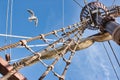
[113, 2]
[42, 36]
[61, 54]
[14, 36]
[7, 20]
[7, 13]
[77, 3]
[63, 12]
[41, 55]
[38, 45]
[67, 46]
[14, 60]
[114, 53]
[24, 37]
[11, 25]
[111, 61]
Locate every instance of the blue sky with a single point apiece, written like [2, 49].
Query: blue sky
[88, 64]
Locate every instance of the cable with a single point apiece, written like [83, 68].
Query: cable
[25, 37]
[7, 20]
[7, 12]
[77, 3]
[14, 60]
[38, 45]
[111, 61]
[63, 13]
[114, 53]
[11, 25]
[113, 2]
[14, 36]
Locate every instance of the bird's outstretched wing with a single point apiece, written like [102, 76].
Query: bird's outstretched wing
[31, 12]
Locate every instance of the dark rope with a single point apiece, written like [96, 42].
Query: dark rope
[111, 62]
[114, 53]
[78, 3]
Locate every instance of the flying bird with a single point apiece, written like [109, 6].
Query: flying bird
[32, 17]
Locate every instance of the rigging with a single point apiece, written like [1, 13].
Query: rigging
[71, 42]
[114, 53]
[110, 61]
[7, 55]
[77, 3]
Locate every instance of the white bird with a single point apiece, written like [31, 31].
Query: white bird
[32, 17]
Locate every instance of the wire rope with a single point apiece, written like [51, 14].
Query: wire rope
[110, 61]
[63, 12]
[11, 10]
[77, 3]
[25, 37]
[7, 14]
[113, 2]
[114, 53]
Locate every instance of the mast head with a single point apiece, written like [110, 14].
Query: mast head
[90, 13]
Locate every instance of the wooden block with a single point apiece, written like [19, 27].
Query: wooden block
[5, 67]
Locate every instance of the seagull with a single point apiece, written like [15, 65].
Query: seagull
[32, 17]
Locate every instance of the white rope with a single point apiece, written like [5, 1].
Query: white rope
[11, 18]
[14, 60]
[25, 37]
[33, 45]
[39, 45]
[7, 20]
[7, 12]
[11, 24]
[63, 12]
[14, 36]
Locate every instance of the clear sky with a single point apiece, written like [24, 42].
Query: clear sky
[88, 64]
